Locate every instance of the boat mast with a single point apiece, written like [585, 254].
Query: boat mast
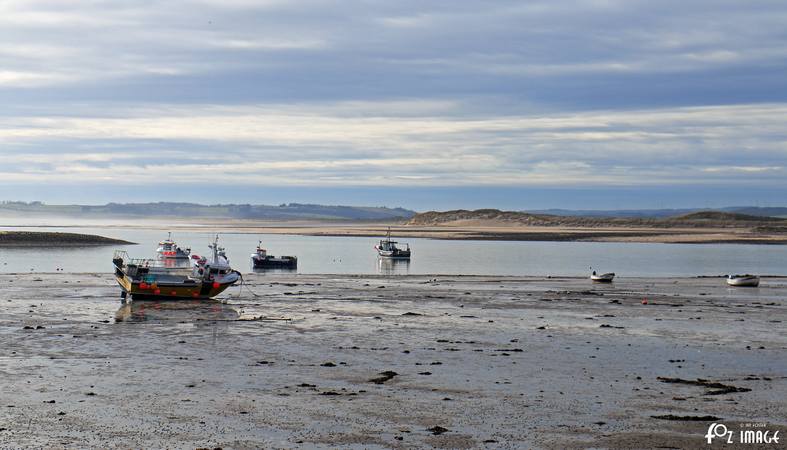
[215, 247]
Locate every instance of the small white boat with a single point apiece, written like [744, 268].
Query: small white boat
[743, 280]
[602, 278]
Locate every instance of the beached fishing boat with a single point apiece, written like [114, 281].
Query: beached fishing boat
[260, 259]
[743, 280]
[387, 248]
[602, 278]
[169, 250]
[154, 279]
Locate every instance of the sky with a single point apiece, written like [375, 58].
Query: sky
[585, 104]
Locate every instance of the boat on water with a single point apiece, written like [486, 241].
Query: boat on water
[171, 253]
[603, 277]
[260, 259]
[743, 280]
[387, 248]
[204, 278]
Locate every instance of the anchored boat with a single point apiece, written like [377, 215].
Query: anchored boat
[602, 278]
[743, 280]
[154, 279]
[262, 260]
[169, 250]
[387, 248]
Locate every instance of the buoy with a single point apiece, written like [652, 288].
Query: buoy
[143, 285]
[154, 286]
[157, 291]
[195, 295]
[216, 285]
[173, 293]
[644, 301]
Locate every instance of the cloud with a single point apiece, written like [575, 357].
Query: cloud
[340, 146]
[373, 93]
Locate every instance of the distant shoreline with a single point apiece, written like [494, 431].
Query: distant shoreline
[516, 232]
[697, 237]
[479, 231]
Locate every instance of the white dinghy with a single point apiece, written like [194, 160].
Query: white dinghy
[602, 278]
[743, 280]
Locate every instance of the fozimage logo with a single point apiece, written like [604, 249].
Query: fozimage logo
[755, 433]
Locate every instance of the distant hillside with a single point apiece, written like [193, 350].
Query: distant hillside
[291, 211]
[724, 217]
[494, 217]
[484, 215]
[663, 213]
[759, 211]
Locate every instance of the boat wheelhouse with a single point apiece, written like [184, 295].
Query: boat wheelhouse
[169, 250]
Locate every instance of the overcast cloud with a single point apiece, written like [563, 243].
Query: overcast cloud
[325, 94]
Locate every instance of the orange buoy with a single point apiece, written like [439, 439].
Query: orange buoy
[154, 286]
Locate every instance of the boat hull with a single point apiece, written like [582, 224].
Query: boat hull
[275, 263]
[393, 254]
[160, 291]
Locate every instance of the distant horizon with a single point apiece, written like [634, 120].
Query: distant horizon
[474, 206]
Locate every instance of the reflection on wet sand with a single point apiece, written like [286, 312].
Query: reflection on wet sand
[175, 310]
[388, 266]
[272, 270]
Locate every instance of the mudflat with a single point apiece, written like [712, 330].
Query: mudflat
[391, 362]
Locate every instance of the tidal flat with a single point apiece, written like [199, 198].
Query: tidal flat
[303, 361]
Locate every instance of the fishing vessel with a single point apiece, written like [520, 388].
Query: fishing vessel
[387, 248]
[260, 259]
[169, 251]
[153, 279]
[743, 280]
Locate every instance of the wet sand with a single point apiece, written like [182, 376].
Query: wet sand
[465, 230]
[403, 362]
